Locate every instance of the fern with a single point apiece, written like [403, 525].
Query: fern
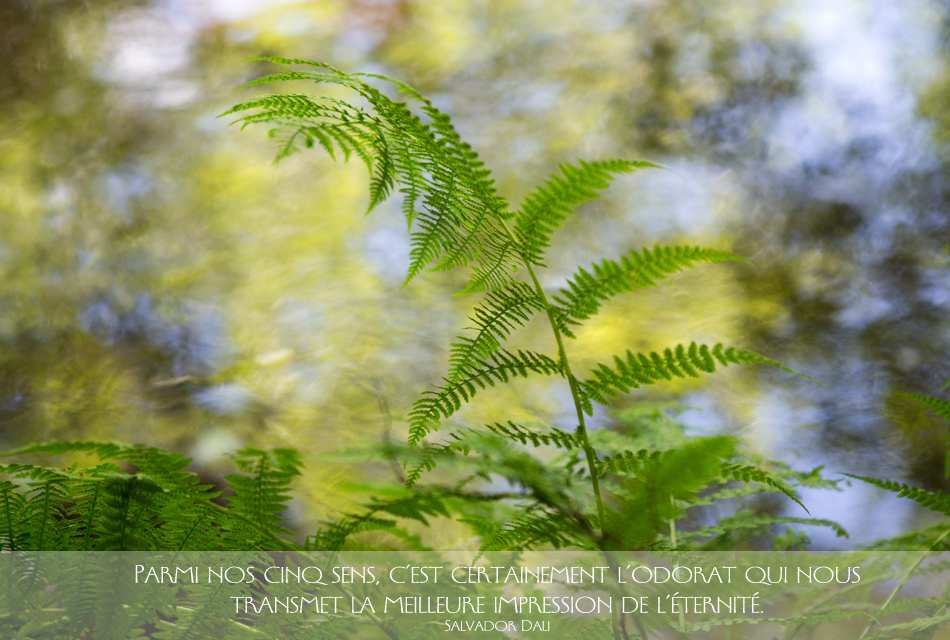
[461, 216]
[587, 291]
[556, 437]
[462, 222]
[161, 506]
[261, 491]
[544, 210]
[680, 362]
[938, 406]
[659, 484]
[537, 528]
[499, 367]
[935, 501]
[749, 473]
[495, 319]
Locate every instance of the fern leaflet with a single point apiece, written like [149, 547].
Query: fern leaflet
[495, 319]
[749, 473]
[545, 209]
[681, 362]
[588, 290]
[499, 367]
[935, 501]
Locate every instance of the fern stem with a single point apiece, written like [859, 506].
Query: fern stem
[575, 393]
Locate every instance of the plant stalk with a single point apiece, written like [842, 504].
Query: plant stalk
[575, 392]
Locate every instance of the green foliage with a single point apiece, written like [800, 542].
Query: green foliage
[642, 484]
[500, 367]
[160, 506]
[935, 501]
[587, 291]
[456, 219]
[679, 362]
[544, 210]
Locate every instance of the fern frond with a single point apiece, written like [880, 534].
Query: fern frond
[749, 523]
[417, 506]
[457, 444]
[935, 501]
[500, 367]
[261, 494]
[681, 362]
[588, 290]
[512, 431]
[128, 507]
[938, 406]
[501, 313]
[464, 441]
[749, 473]
[626, 462]
[545, 209]
[461, 221]
[534, 529]
[164, 467]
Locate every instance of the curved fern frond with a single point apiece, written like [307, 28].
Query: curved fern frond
[545, 209]
[501, 313]
[935, 501]
[681, 362]
[500, 367]
[460, 221]
[588, 290]
[749, 473]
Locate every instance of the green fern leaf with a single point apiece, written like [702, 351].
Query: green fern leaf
[417, 506]
[935, 501]
[588, 290]
[503, 365]
[261, 494]
[461, 221]
[464, 441]
[748, 473]
[626, 462]
[534, 529]
[127, 514]
[938, 406]
[682, 362]
[746, 523]
[501, 313]
[545, 209]
[552, 436]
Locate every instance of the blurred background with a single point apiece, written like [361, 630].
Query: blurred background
[162, 282]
